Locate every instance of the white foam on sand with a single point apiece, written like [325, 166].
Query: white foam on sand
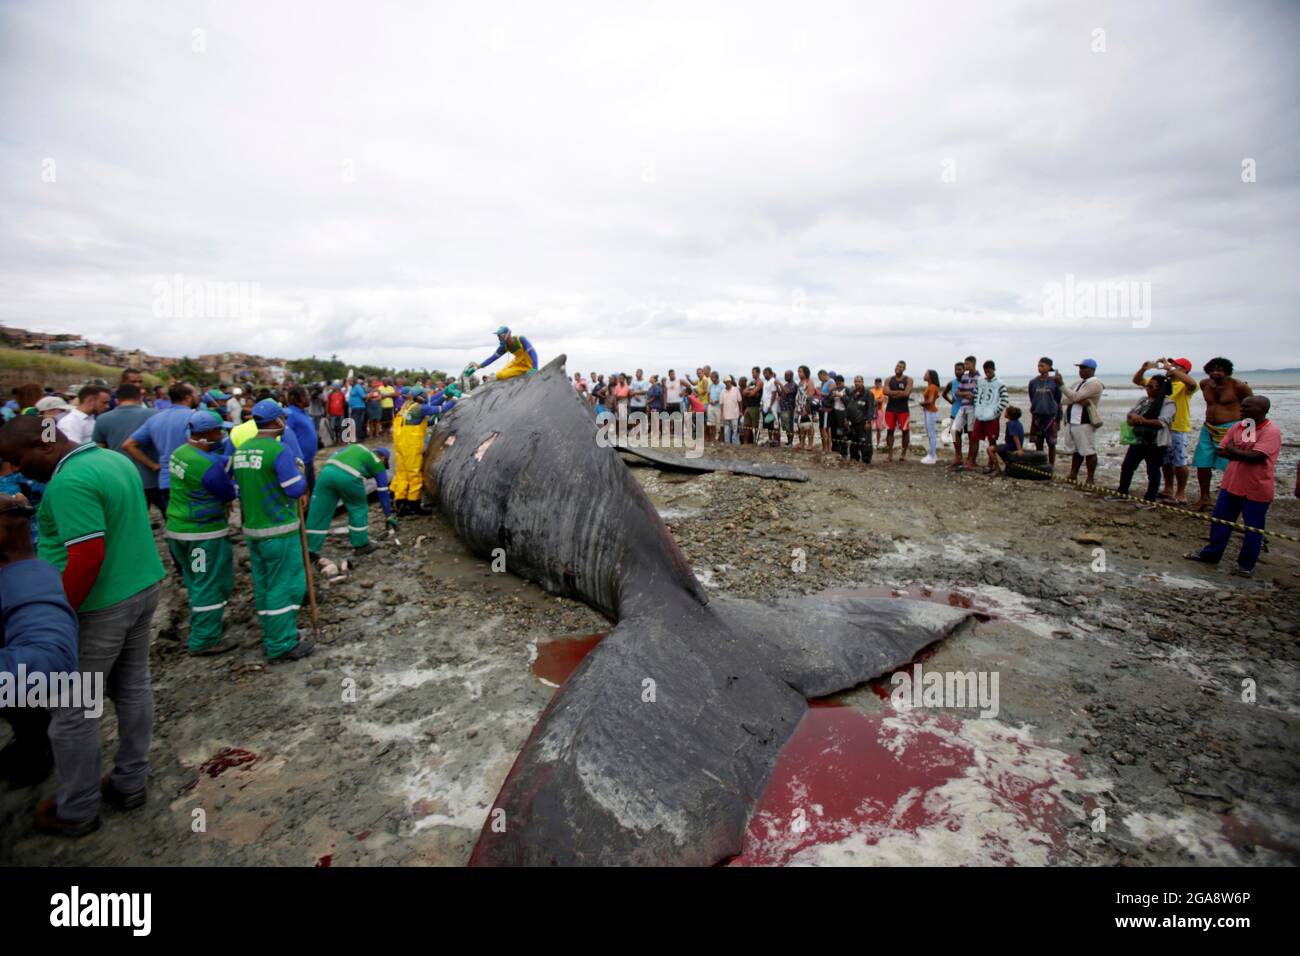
[457, 787]
[974, 819]
[1198, 834]
[1180, 582]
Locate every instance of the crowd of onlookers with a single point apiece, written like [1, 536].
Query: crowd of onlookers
[829, 412]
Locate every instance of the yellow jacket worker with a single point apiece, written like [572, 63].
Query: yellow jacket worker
[525, 356]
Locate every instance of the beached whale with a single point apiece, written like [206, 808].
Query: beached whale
[658, 746]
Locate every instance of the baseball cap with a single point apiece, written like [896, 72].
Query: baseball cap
[1184, 363]
[503, 330]
[267, 410]
[218, 394]
[1087, 363]
[382, 453]
[52, 403]
[205, 421]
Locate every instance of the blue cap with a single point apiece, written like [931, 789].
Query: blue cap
[503, 330]
[382, 453]
[218, 394]
[1088, 363]
[205, 421]
[267, 410]
[417, 390]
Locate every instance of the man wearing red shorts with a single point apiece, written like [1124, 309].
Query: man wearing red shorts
[898, 392]
[991, 399]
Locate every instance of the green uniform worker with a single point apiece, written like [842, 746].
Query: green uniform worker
[197, 534]
[343, 478]
[269, 485]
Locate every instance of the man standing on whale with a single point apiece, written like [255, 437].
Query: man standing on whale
[525, 356]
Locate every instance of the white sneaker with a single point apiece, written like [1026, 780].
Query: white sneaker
[929, 460]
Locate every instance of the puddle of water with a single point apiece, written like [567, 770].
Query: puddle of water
[911, 788]
[559, 658]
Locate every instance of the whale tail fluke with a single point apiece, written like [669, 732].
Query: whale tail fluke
[657, 748]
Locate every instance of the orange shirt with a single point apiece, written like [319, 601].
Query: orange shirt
[929, 401]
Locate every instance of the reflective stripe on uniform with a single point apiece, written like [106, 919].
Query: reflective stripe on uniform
[85, 537]
[348, 468]
[209, 607]
[352, 528]
[270, 532]
[292, 481]
[280, 610]
[196, 535]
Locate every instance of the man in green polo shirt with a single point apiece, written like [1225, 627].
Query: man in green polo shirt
[269, 486]
[197, 534]
[94, 527]
[343, 478]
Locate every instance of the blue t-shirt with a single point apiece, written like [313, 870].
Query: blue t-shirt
[952, 390]
[162, 434]
[635, 400]
[304, 431]
[1017, 430]
[715, 393]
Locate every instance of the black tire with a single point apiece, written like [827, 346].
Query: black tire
[1035, 460]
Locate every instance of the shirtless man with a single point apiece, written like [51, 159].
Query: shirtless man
[1223, 395]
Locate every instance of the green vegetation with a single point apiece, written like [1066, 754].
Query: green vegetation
[334, 369]
[43, 365]
[188, 370]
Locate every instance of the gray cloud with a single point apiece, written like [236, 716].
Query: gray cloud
[663, 185]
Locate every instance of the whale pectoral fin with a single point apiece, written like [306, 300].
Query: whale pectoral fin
[670, 462]
[827, 643]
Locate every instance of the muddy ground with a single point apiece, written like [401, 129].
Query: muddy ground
[389, 744]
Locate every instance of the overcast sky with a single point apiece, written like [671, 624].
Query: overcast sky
[657, 184]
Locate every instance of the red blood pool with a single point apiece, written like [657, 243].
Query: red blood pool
[326, 860]
[848, 775]
[559, 658]
[224, 759]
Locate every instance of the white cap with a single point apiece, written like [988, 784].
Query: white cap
[52, 403]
